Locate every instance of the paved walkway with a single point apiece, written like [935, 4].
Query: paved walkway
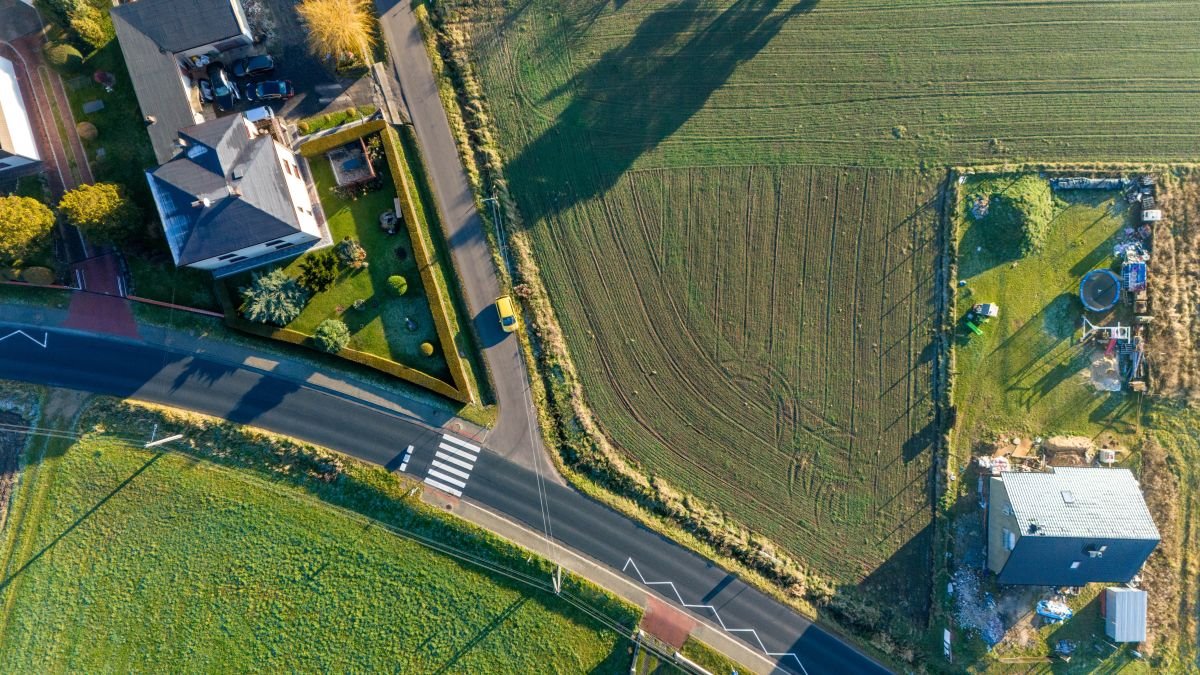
[516, 435]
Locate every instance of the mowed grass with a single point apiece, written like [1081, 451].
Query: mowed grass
[130, 560]
[378, 328]
[1027, 372]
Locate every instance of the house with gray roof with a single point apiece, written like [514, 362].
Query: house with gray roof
[160, 40]
[232, 198]
[1068, 527]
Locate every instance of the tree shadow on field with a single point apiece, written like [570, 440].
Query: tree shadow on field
[636, 95]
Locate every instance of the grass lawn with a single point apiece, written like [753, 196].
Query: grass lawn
[379, 327]
[121, 559]
[1025, 373]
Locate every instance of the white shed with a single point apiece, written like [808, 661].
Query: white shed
[1151, 215]
[1125, 614]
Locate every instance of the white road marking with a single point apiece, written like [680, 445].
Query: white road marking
[459, 441]
[449, 469]
[407, 456]
[443, 488]
[454, 460]
[41, 343]
[461, 453]
[449, 479]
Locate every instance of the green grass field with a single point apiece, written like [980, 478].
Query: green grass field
[1026, 374]
[121, 559]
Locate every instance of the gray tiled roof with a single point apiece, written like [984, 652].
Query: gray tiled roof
[151, 32]
[248, 198]
[179, 25]
[1080, 502]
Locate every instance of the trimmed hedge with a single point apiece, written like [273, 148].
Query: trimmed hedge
[311, 125]
[323, 144]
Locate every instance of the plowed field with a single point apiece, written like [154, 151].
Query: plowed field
[751, 319]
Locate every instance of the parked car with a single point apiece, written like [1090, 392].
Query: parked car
[206, 91]
[224, 93]
[508, 313]
[253, 66]
[269, 90]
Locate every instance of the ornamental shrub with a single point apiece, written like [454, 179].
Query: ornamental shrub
[398, 283]
[351, 253]
[427, 348]
[24, 223]
[332, 336]
[273, 298]
[318, 271]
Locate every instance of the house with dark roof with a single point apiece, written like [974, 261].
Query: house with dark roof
[18, 146]
[232, 198]
[159, 40]
[1068, 527]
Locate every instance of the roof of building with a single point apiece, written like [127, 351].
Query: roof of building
[151, 32]
[223, 192]
[16, 134]
[1125, 614]
[180, 25]
[1079, 502]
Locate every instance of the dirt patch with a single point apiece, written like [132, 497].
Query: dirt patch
[1105, 373]
[1175, 295]
[1160, 576]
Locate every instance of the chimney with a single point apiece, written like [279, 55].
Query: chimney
[203, 201]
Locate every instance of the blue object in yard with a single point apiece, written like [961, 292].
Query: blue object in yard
[352, 164]
[1054, 610]
[1135, 276]
[1099, 290]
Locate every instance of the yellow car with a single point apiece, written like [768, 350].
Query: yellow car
[508, 313]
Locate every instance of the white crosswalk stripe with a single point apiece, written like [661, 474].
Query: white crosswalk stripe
[451, 467]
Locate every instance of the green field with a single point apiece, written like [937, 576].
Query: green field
[1026, 374]
[121, 559]
[751, 319]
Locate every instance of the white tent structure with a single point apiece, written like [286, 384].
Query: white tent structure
[1125, 614]
[18, 146]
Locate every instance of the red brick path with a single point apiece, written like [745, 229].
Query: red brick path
[666, 623]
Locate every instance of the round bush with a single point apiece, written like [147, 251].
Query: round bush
[398, 283]
[427, 349]
[331, 336]
[59, 54]
[87, 131]
[43, 276]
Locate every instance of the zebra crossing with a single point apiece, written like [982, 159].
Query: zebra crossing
[452, 464]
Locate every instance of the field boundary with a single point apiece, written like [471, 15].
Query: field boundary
[584, 453]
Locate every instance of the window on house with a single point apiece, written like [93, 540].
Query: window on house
[227, 256]
[237, 259]
[1075, 565]
[1010, 539]
[272, 243]
[286, 244]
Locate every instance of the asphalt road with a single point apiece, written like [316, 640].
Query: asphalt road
[248, 396]
[515, 435]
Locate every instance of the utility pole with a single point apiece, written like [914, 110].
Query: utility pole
[495, 202]
[557, 578]
[153, 443]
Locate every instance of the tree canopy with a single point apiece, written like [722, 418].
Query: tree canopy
[341, 30]
[102, 211]
[24, 221]
[274, 298]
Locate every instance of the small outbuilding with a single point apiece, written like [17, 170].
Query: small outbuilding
[1125, 614]
[1151, 215]
[1100, 290]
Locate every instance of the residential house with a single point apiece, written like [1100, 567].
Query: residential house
[1068, 527]
[18, 146]
[232, 198]
[159, 39]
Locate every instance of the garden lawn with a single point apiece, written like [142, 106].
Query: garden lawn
[121, 559]
[1025, 373]
[379, 327]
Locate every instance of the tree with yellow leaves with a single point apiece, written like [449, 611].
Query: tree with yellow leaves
[340, 30]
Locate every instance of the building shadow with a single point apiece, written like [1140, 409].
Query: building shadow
[637, 95]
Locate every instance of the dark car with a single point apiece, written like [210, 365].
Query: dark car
[269, 90]
[224, 93]
[253, 66]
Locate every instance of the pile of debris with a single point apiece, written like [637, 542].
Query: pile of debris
[974, 609]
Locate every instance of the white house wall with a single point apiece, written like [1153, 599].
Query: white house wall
[16, 119]
[298, 190]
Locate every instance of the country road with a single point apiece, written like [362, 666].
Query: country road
[516, 435]
[262, 399]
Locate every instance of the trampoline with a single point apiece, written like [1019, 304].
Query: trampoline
[1100, 290]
